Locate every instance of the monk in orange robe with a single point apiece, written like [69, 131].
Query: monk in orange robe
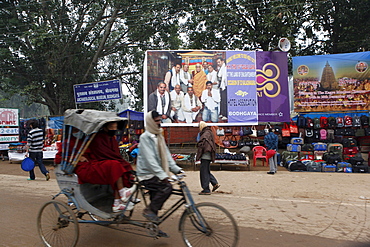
[199, 80]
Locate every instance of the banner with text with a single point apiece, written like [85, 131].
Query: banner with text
[241, 87]
[338, 82]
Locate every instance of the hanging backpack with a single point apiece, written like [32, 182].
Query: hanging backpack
[316, 123]
[309, 133]
[323, 134]
[309, 122]
[301, 122]
[324, 122]
[316, 134]
[356, 121]
[364, 120]
[331, 122]
[340, 122]
[349, 142]
[347, 121]
[330, 134]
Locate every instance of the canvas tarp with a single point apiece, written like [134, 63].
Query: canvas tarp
[132, 115]
[90, 121]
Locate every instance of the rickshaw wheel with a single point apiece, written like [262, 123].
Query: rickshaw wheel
[57, 224]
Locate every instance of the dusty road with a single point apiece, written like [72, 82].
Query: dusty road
[287, 209]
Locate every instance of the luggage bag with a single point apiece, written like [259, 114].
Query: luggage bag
[288, 156]
[318, 155]
[293, 147]
[307, 155]
[320, 146]
[296, 140]
[335, 147]
[296, 166]
[328, 168]
[344, 167]
[313, 166]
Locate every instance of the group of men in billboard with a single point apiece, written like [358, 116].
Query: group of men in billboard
[191, 97]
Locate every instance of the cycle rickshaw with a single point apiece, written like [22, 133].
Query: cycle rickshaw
[203, 224]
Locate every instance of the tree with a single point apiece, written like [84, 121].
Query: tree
[48, 46]
[247, 25]
[343, 25]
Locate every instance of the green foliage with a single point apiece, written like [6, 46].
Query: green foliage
[343, 25]
[246, 25]
[48, 46]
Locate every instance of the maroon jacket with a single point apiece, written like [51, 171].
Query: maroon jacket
[206, 143]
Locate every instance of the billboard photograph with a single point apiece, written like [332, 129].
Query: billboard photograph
[219, 87]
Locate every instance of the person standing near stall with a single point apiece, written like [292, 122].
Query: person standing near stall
[206, 153]
[271, 143]
[35, 144]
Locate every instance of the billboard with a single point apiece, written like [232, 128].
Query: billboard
[337, 82]
[219, 87]
[97, 91]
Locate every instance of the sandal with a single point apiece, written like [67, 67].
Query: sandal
[215, 187]
[204, 193]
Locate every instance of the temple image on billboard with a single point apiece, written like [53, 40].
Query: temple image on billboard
[328, 81]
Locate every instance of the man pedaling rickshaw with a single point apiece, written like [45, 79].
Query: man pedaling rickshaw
[102, 163]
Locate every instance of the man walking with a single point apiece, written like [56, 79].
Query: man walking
[35, 144]
[206, 154]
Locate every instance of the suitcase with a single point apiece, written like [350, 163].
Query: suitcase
[318, 155]
[335, 147]
[344, 167]
[307, 155]
[296, 166]
[296, 140]
[313, 166]
[293, 148]
[328, 168]
[320, 146]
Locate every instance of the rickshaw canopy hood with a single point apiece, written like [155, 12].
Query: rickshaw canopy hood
[91, 121]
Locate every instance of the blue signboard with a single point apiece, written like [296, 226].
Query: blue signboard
[97, 91]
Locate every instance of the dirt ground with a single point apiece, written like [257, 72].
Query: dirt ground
[313, 209]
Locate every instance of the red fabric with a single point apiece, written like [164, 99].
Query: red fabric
[270, 153]
[105, 164]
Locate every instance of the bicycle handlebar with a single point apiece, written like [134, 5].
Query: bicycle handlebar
[177, 177]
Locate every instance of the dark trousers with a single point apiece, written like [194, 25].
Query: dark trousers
[205, 175]
[224, 103]
[37, 158]
[159, 192]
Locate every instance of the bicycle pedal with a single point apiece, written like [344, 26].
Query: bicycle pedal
[162, 234]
